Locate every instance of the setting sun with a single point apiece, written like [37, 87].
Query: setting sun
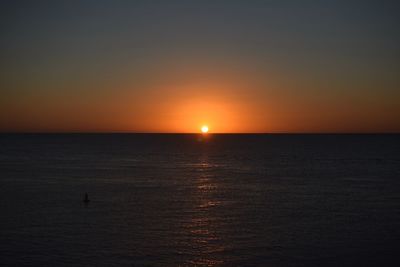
[204, 129]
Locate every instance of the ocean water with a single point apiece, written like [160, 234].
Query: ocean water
[188, 200]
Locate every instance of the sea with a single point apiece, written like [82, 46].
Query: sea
[200, 200]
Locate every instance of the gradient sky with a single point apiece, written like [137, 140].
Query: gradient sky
[171, 66]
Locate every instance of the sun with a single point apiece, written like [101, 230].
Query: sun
[204, 129]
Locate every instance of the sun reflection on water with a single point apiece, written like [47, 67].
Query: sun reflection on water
[203, 226]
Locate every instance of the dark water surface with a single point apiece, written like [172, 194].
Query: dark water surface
[177, 200]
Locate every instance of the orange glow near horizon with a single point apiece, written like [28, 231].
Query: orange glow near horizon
[229, 103]
[222, 116]
[168, 107]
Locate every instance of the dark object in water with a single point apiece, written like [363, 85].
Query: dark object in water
[86, 199]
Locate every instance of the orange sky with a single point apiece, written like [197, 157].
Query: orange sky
[172, 66]
[182, 100]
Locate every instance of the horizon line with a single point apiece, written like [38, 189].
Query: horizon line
[193, 133]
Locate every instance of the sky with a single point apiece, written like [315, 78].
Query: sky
[172, 66]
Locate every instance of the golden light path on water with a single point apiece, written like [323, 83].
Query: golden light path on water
[204, 226]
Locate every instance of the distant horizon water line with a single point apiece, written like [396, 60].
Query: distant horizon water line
[199, 133]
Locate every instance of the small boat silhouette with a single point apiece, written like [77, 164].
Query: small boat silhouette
[86, 199]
